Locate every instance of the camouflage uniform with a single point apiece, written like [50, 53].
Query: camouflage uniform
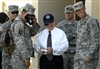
[70, 30]
[22, 37]
[3, 18]
[87, 42]
[5, 56]
[99, 50]
[6, 64]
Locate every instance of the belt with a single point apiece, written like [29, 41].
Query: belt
[72, 45]
[54, 55]
[68, 52]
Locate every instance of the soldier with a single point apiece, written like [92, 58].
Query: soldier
[87, 45]
[3, 17]
[12, 13]
[69, 26]
[23, 28]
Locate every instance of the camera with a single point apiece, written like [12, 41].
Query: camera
[44, 50]
[29, 18]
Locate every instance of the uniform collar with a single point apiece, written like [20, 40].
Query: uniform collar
[84, 21]
[70, 23]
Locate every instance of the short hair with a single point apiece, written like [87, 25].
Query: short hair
[3, 17]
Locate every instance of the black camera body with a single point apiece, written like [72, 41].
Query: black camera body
[29, 18]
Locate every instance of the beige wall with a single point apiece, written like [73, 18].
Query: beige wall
[0, 6]
[95, 8]
[92, 8]
[88, 5]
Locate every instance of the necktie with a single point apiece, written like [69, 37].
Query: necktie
[49, 44]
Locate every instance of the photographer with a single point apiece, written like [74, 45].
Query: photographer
[23, 27]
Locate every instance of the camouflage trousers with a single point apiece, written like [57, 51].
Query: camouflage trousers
[17, 61]
[68, 61]
[90, 65]
[6, 64]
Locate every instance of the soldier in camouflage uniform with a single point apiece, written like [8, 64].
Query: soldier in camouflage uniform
[23, 28]
[12, 13]
[69, 26]
[3, 17]
[87, 45]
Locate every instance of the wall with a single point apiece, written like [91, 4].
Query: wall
[88, 5]
[95, 8]
[92, 8]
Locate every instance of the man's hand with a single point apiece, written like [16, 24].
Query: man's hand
[86, 60]
[27, 62]
[50, 50]
[43, 51]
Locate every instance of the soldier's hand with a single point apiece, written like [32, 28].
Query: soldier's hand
[27, 62]
[86, 60]
[34, 20]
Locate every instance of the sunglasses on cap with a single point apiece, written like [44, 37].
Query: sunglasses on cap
[14, 12]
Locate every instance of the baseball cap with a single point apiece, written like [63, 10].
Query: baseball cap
[48, 18]
[29, 8]
[12, 8]
[69, 8]
[79, 5]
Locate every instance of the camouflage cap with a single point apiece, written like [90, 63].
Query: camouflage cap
[12, 8]
[69, 8]
[29, 8]
[79, 5]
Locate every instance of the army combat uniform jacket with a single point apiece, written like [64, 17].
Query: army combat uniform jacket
[22, 34]
[70, 30]
[88, 39]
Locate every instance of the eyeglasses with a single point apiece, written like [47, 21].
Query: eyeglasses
[14, 12]
[45, 24]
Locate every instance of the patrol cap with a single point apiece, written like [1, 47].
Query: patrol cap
[79, 5]
[3, 17]
[29, 8]
[12, 8]
[48, 18]
[69, 8]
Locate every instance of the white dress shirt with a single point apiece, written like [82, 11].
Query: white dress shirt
[58, 38]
